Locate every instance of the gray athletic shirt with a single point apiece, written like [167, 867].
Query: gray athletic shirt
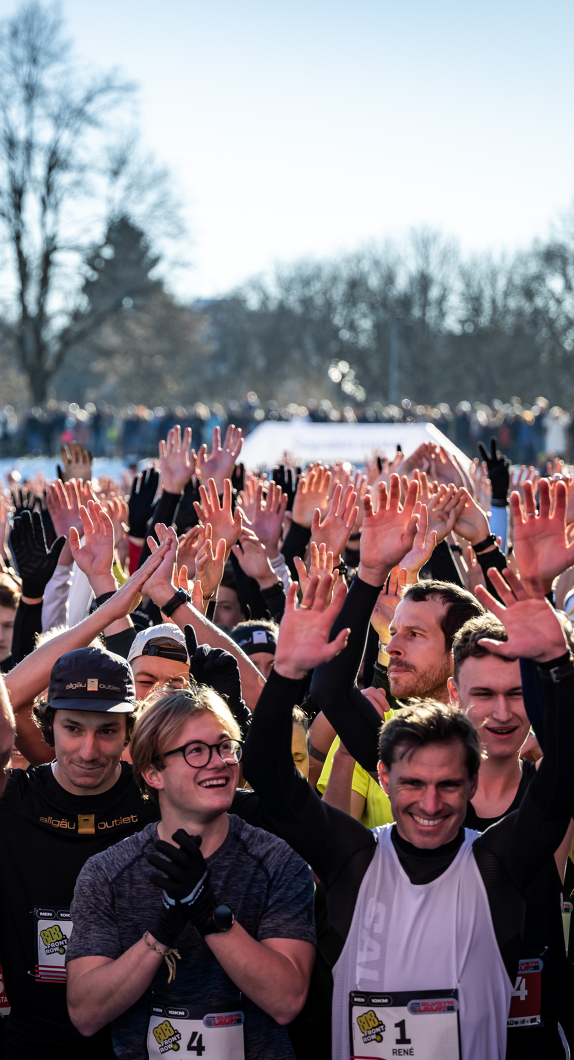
[268, 887]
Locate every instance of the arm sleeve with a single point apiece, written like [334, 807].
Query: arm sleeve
[334, 686]
[281, 570]
[55, 608]
[533, 695]
[294, 545]
[275, 601]
[27, 624]
[442, 565]
[497, 559]
[164, 513]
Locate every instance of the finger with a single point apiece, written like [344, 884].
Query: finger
[316, 521]
[152, 544]
[528, 492]
[87, 525]
[300, 568]
[291, 597]
[544, 497]
[411, 498]
[74, 539]
[336, 646]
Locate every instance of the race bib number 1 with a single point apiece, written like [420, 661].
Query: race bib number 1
[423, 1025]
[213, 1036]
[53, 929]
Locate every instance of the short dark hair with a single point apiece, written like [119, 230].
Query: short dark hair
[43, 716]
[9, 592]
[466, 640]
[426, 721]
[460, 605]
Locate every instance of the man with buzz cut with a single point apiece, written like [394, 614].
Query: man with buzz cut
[52, 819]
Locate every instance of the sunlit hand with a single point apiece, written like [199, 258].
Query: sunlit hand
[533, 629]
[389, 533]
[210, 565]
[252, 557]
[471, 522]
[219, 463]
[176, 460]
[225, 523]
[96, 556]
[336, 528]
[387, 602]
[303, 641]
[320, 562]
[312, 492]
[267, 514]
[541, 547]
[423, 545]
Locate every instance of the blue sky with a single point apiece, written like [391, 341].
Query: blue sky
[304, 128]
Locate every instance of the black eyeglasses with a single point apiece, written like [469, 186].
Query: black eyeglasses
[198, 754]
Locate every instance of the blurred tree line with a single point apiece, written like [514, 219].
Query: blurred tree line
[86, 313]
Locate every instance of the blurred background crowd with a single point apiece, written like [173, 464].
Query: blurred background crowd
[528, 434]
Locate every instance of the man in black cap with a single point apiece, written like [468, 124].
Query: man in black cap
[52, 819]
[258, 640]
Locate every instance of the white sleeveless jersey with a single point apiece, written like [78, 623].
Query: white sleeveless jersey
[421, 973]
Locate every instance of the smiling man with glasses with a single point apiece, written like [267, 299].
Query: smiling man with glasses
[229, 908]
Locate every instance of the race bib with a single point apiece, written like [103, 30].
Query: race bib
[4, 1003]
[53, 929]
[525, 1001]
[422, 1024]
[210, 1035]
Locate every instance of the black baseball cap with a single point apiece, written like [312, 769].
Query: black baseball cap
[92, 679]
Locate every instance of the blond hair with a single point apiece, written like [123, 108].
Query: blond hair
[158, 725]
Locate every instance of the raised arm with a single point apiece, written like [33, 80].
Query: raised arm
[32, 675]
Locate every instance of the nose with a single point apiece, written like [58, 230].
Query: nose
[88, 748]
[501, 711]
[430, 801]
[394, 646]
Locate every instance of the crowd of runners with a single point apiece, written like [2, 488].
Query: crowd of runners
[287, 758]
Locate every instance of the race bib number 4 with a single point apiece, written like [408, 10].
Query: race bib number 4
[525, 1002]
[53, 928]
[212, 1036]
[423, 1025]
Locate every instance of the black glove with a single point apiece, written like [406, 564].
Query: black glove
[187, 891]
[287, 478]
[23, 500]
[219, 670]
[140, 504]
[498, 467]
[36, 562]
[238, 478]
[186, 515]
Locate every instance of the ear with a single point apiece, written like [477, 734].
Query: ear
[384, 778]
[453, 693]
[153, 777]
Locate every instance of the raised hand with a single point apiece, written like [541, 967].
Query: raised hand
[533, 629]
[209, 566]
[219, 464]
[117, 510]
[287, 479]
[312, 492]
[445, 468]
[76, 462]
[389, 533]
[541, 548]
[188, 546]
[336, 528]
[387, 602]
[252, 557]
[96, 556]
[420, 460]
[521, 475]
[23, 499]
[303, 641]
[471, 522]
[225, 523]
[321, 562]
[63, 504]
[36, 562]
[498, 468]
[423, 545]
[267, 514]
[141, 499]
[443, 510]
[177, 460]
[474, 575]
[161, 584]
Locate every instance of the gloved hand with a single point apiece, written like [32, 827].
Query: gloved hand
[498, 468]
[287, 478]
[140, 504]
[186, 515]
[218, 669]
[186, 885]
[36, 562]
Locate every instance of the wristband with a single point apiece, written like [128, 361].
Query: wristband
[179, 598]
[219, 921]
[102, 599]
[499, 502]
[558, 672]
[482, 545]
[168, 955]
[355, 537]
